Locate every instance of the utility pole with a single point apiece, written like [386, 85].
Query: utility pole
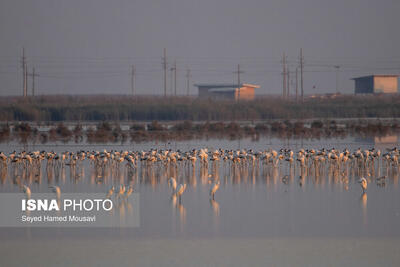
[301, 74]
[337, 67]
[33, 75]
[175, 77]
[284, 75]
[33, 81]
[288, 83]
[296, 86]
[133, 73]
[164, 63]
[172, 79]
[238, 72]
[187, 81]
[25, 72]
[26, 79]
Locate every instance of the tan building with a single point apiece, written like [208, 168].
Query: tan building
[244, 91]
[375, 84]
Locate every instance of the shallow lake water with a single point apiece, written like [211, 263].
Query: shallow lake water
[257, 218]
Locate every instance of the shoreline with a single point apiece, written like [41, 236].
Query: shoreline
[135, 132]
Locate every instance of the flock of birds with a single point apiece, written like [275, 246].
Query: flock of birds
[33, 159]
[25, 163]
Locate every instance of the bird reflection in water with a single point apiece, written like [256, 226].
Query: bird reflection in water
[173, 201]
[363, 203]
[216, 213]
[124, 209]
[182, 215]
[121, 211]
[178, 206]
[214, 206]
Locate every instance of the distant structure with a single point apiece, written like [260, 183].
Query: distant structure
[376, 84]
[243, 91]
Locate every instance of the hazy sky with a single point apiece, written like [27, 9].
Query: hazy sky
[81, 46]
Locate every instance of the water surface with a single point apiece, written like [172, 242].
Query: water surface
[253, 208]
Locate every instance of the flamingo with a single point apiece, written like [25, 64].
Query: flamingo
[214, 188]
[363, 183]
[179, 191]
[172, 183]
[110, 192]
[121, 190]
[128, 191]
[27, 191]
[57, 190]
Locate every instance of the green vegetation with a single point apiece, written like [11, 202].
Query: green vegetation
[127, 108]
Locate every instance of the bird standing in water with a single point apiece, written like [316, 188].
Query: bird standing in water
[214, 188]
[121, 190]
[172, 183]
[27, 191]
[110, 192]
[363, 183]
[179, 191]
[128, 191]
[57, 190]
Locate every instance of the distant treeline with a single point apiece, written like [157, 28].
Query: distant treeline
[123, 108]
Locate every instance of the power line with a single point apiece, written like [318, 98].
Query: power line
[209, 67]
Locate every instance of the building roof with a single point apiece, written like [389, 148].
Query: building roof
[226, 85]
[377, 75]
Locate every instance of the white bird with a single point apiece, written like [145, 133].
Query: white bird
[172, 183]
[56, 189]
[110, 192]
[214, 188]
[179, 190]
[27, 192]
[363, 183]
